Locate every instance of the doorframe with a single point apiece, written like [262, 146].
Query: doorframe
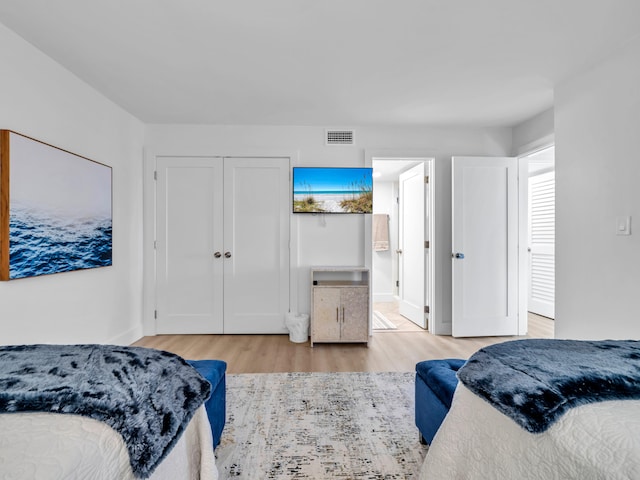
[149, 212]
[429, 160]
[523, 255]
[522, 153]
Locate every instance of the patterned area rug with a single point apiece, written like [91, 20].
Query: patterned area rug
[320, 426]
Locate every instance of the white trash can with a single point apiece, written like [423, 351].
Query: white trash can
[298, 326]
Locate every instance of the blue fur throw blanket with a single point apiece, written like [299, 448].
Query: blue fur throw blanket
[148, 396]
[536, 381]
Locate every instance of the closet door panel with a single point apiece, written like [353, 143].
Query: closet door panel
[188, 233]
[256, 244]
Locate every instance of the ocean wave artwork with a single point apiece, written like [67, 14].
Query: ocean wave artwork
[56, 215]
[42, 243]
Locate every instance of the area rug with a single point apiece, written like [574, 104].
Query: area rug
[380, 322]
[320, 426]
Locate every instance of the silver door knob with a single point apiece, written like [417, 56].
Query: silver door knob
[227, 254]
[217, 254]
[399, 251]
[457, 255]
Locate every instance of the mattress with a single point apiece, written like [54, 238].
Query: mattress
[48, 446]
[593, 441]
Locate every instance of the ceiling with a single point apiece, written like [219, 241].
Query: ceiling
[390, 170]
[329, 62]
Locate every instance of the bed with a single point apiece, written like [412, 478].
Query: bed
[542, 409]
[102, 412]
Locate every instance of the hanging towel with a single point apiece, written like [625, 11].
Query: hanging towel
[380, 232]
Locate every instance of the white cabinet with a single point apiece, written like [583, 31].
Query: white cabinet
[339, 305]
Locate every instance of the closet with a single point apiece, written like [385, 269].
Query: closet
[222, 244]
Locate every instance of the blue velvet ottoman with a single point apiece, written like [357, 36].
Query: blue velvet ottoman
[435, 383]
[214, 371]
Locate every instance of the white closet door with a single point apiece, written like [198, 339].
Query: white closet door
[189, 220]
[222, 247]
[257, 201]
[542, 244]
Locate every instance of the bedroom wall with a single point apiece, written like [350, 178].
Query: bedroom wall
[340, 239]
[384, 199]
[41, 99]
[597, 120]
[533, 134]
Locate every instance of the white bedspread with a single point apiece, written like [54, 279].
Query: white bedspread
[476, 441]
[48, 446]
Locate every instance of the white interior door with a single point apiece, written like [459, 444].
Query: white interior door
[189, 232]
[222, 245]
[484, 246]
[411, 239]
[542, 244]
[256, 244]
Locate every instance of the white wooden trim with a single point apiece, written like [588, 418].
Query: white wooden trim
[523, 234]
[436, 326]
[535, 146]
[148, 237]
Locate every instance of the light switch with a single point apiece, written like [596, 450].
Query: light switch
[623, 226]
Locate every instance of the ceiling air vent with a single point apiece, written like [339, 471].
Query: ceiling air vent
[340, 137]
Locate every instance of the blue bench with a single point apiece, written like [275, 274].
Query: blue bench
[435, 383]
[215, 373]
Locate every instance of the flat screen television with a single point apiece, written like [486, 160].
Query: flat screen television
[332, 190]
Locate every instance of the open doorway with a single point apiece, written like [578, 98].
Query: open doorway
[402, 229]
[541, 232]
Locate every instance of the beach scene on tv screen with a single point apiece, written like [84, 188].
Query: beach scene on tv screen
[332, 190]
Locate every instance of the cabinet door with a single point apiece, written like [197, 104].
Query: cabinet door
[355, 308]
[326, 314]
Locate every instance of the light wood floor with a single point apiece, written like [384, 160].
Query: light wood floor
[388, 351]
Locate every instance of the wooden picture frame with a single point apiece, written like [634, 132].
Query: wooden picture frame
[55, 209]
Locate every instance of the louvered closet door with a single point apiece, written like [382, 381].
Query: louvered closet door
[542, 239]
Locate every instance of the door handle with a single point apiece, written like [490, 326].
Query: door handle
[217, 254]
[399, 251]
[227, 254]
[457, 255]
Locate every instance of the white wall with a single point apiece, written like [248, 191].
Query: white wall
[382, 278]
[533, 134]
[340, 239]
[40, 99]
[597, 125]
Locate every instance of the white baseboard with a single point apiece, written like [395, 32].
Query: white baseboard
[128, 337]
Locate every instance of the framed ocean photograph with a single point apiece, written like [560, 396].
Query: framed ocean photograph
[55, 209]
